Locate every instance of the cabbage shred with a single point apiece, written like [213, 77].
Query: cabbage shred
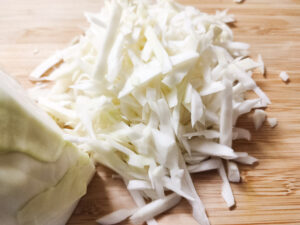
[153, 90]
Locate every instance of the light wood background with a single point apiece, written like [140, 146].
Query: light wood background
[269, 192]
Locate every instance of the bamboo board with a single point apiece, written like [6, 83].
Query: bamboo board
[269, 192]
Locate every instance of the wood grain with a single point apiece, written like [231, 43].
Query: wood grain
[270, 191]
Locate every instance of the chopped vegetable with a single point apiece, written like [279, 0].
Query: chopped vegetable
[45, 66]
[138, 185]
[212, 149]
[154, 208]
[116, 217]
[259, 117]
[249, 160]
[284, 76]
[210, 164]
[261, 68]
[272, 122]
[226, 189]
[240, 133]
[233, 172]
[154, 90]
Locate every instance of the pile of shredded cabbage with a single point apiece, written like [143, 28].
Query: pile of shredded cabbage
[153, 91]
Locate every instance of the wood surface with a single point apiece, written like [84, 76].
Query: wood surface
[270, 191]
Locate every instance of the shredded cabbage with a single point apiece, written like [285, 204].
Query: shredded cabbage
[259, 117]
[154, 208]
[261, 68]
[116, 217]
[272, 122]
[284, 76]
[154, 90]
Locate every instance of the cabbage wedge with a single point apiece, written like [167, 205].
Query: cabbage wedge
[42, 176]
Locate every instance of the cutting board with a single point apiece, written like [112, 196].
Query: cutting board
[269, 192]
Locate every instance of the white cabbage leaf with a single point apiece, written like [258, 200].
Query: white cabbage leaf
[42, 175]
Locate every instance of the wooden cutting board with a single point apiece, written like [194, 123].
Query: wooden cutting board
[269, 192]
